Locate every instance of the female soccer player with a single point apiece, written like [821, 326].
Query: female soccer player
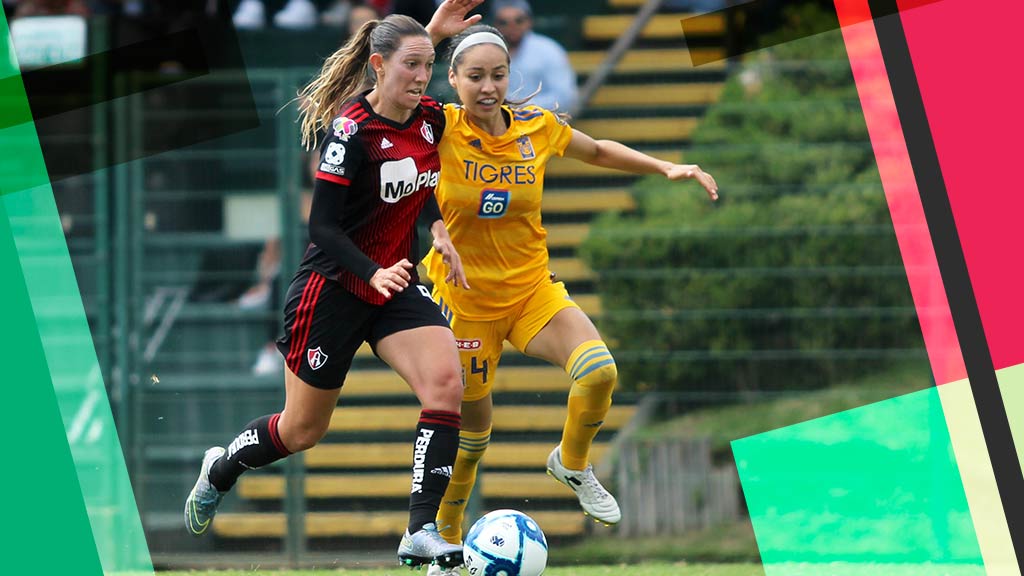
[493, 157]
[378, 168]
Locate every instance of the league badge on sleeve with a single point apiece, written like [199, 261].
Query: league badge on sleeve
[335, 154]
[344, 127]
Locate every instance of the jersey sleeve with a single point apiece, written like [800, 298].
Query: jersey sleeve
[325, 231]
[559, 132]
[340, 158]
[341, 154]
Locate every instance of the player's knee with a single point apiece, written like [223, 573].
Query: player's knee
[445, 389]
[602, 376]
[606, 376]
[303, 435]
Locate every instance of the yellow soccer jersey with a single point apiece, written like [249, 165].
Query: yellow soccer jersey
[490, 192]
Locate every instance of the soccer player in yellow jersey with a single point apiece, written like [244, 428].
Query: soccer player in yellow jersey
[493, 157]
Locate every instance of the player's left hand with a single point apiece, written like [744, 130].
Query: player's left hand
[450, 18]
[684, 171]
[443, 246]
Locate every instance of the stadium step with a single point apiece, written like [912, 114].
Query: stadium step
[535, 484]
[572, 168]
[639, 130]
[650, 60]
[660, 27]
[528, 455]
[570, 269]
[507, 418]
[655, 95]
[566, 235]
[586, 200]
[364, 524]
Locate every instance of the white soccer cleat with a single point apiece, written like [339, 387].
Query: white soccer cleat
[426, 546]
[594, 499]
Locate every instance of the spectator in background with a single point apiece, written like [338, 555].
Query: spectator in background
[305, 14]
[360, 14]
[26, 8]
[538, 62]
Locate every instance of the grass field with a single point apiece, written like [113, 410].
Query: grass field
[653, 569]
[664, 569]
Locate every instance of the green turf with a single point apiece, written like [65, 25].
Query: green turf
[732, 542]
[656, 569]
[653, 569]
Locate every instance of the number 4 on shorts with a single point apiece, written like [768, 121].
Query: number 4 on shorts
[475, 369]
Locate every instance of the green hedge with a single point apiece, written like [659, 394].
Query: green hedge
[795, 279]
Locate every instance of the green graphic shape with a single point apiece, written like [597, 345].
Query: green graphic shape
[865, 488]
[1011, 387]
[73, 491]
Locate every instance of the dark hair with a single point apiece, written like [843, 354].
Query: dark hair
[454, 63]
[458, 38]
[346, 72]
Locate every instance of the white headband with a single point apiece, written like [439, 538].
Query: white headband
[478, 38]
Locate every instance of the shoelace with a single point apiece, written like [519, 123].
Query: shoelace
[434, 539]
[208, 496]
[591, 481]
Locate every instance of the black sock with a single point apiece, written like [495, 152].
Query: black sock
[434, 451]
[258, 445]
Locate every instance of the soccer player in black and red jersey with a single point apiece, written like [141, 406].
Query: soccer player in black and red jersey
[377, 171]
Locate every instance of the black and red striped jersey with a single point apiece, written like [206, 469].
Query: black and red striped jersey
[389, 170]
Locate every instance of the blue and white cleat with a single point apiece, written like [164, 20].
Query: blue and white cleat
[202, 502]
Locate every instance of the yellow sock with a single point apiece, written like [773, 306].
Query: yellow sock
[593, 374]
[472, 446]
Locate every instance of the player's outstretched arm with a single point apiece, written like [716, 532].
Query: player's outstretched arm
[612, 154]
[450, 18]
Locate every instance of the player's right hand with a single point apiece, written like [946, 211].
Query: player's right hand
[391, 280]
[451, 18]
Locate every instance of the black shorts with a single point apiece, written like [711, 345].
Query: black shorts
[324, 325]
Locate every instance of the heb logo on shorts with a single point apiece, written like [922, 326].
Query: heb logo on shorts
[468, 344]
[400, 178]
[316, 358]
[493, 203]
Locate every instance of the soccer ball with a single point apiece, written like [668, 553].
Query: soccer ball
[505, 543]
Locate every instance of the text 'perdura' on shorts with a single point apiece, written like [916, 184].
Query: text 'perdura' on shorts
[324, 325]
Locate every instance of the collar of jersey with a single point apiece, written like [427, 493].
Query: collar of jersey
[509, 134]
[388, 121]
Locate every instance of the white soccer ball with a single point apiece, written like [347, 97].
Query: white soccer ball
[505, 543]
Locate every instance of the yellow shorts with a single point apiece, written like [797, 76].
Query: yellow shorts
[480, 342]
